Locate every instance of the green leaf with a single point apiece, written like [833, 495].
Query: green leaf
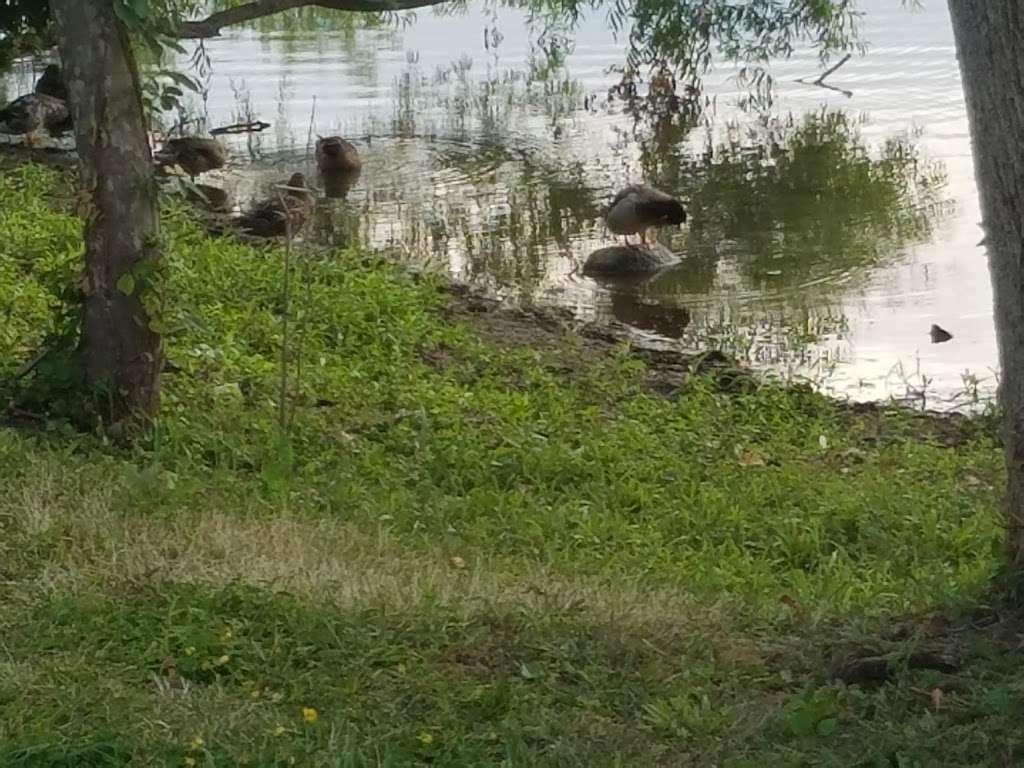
[826, 727]
[127, 15]
[801, 722]
[126, 284]
[173, 45]
[178, 78]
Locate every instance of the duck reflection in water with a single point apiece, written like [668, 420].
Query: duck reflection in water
[653, 301]
[664, 319]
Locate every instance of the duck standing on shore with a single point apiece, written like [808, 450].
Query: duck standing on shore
[639, 207]
[193, 154]
[271, 217]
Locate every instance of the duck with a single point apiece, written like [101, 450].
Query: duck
[51, 83]
[337, 184]
[34, 112]
[333, 153]
[269, 218]
[639, 207]
[193, 154]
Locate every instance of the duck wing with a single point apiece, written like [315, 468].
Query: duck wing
[646, 194]
[632, 189]
[55, 115]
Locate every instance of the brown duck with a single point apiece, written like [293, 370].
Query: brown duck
[639, 207]
[193, 154]
[34, 112]
[45, 109]
[333, 153]
[270, 218]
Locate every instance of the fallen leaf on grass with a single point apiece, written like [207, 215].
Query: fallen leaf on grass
[750, 459]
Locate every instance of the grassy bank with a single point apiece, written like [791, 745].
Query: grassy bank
[468, 553]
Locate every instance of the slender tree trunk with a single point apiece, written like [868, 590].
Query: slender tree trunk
[123, 356]
[989, 34]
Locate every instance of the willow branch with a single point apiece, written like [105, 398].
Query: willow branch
[212, 25]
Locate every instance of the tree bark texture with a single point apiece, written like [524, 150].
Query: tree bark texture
[123, 356]
[989, 35]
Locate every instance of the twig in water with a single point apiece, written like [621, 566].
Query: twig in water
[820, 80]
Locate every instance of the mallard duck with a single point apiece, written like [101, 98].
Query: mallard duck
[51, 83]
[333, 153]
[639, 207]
[269, 218]
[193, 154]
[34, 112]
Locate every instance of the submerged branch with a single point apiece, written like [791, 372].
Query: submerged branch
[820, 81]
[212, 25]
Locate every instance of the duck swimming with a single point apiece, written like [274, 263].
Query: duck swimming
[639, 207]
[270, 218]
[193, 154]
[333, 153]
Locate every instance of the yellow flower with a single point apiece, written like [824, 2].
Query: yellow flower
[227, 635]
[197, 742]
[278, 730]
[190, 650]
[426, 738]
[310, 714]
[190, 761]
[221, 661]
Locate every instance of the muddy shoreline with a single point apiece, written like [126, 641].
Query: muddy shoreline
[568, 346]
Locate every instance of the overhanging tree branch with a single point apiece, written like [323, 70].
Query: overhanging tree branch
[240, 14]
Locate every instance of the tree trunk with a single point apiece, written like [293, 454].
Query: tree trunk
[123, 356]
[988, 38]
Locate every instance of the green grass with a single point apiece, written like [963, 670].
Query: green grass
[465, 555]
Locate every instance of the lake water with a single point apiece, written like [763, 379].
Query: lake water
[811, 249]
